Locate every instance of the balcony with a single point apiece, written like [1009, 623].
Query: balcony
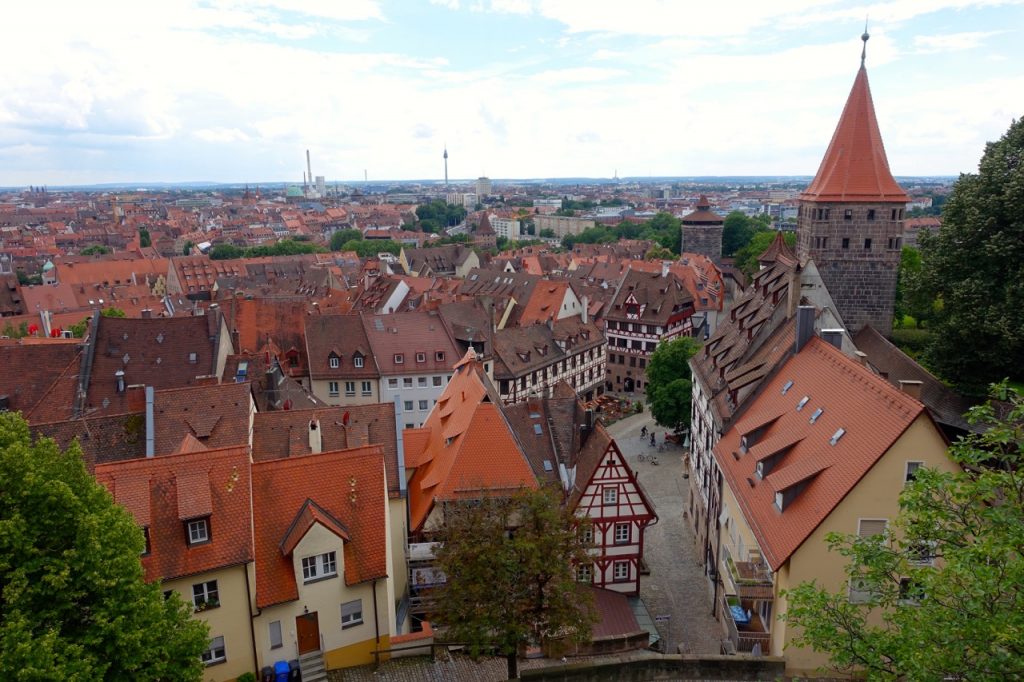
[750, 580]
[745, 635]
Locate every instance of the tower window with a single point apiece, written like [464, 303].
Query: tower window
[846, 242]
[867, 244]
[848, 214]
[871, 214]
[894, 243]
[821, 242]
[894, 212]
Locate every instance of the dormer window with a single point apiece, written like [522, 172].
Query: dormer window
[319, 567]
[439, 356]
[421, 357]
[399, 358]
[334, 361]
[197, 531]
[357, 360]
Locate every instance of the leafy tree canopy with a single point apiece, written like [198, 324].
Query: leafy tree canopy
[746, 258]
[439, 215]
[342, 236]
[974, 265]
[75, 605]
[368, 248]
[509, 589]
[285, 247]
[669, 387]
[739, 229]
[144, 238]
[948, 575]
[94, 250]
[113, 312]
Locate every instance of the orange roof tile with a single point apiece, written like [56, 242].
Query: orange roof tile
[871, 412]
[855, 167]
[358, 503]
[470, 448]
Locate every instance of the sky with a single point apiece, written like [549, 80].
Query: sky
[237, 90]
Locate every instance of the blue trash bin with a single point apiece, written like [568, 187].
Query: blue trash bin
[281, 671]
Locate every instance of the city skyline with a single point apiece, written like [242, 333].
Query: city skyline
[236, 91]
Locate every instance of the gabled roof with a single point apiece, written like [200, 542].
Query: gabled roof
[216, 416]
[343, 333]
[311, 513]
[41, 367]
[356, 504]
[777, 250]
[855, 167]
[872, 414]
[164, 492]
[470, 450]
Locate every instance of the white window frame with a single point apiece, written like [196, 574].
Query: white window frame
[406, 382]
[908, 473]
[407, 405]
[334, 361]
[421, 382]
[609, 499]
[424, 405]
[367, 388]
[860, 526]
[623, 538]
[319, 567]
[207, 592]
[857, 592]
[399, 358]
[437, 381]
[588, 535]
[357, 361]
[215, 652]
[333, 389]
[616, 577]
[421, 357]
[351, 613]
[198, 531]
[274, 634]
[393, 383]
[350, 388]
[585, 573]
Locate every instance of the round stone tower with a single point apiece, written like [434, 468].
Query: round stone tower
[702, 231]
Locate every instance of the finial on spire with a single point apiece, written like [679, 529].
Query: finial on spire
[864, 37]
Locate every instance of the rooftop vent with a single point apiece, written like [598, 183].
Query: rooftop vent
[547, 465]
[803, 401]
[836, 436]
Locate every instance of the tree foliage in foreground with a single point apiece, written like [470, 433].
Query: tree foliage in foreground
[74, 605]
[962, 618]
[506, 590]
[746, 257]
[669, 381]
[974, 265]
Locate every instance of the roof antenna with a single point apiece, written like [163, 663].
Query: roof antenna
[864, 37]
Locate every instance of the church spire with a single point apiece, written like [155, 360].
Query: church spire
[864, 50]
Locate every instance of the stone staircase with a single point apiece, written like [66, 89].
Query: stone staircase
[312, 666]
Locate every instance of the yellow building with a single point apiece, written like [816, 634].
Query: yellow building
[826, 447]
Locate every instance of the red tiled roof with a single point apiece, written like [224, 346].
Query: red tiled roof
[872, 413]
[357, 501]
[470, 449]
[311, 513]
[217, 416]
[214, 482]
[855, 167]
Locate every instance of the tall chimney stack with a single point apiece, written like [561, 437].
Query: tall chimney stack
[804, 326]
[309, 168]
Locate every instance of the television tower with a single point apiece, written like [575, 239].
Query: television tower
[446, 166]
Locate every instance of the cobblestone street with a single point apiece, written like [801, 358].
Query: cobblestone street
[676, 587]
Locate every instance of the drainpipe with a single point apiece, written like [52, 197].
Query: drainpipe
[252, 625]
[150, 429]
[376, 624]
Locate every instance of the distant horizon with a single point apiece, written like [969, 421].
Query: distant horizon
[163, 92]
[199, 185]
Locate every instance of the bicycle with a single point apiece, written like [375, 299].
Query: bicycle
[641, 457]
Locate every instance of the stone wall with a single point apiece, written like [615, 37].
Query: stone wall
[857, 250]
[673, 667]
[703, 239]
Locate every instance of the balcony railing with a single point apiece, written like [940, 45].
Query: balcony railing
[750, 580]
[745, 636]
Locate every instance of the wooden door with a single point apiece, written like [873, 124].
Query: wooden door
[308, 628]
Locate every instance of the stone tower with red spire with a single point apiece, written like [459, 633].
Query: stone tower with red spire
[851, 216]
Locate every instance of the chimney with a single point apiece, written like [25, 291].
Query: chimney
[861, 357]
[664, 267]
[804, 326]
[150, 429]
[147, 313]
[911, 388]
[315, 439]
[833, 336]
[584, 303]
[119, 377]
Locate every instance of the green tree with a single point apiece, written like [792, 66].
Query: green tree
[144, 238]
[75, 605]
[78, 329]
[186, 250]
[547, 233]
[974, 265]
[368, 248]
[669, 387]
[113, 312]
[737, 232]
[746, 258]
[226, 252]
[911, 298]
[507, 589]
[659, 253]
[341, 236]
[961, 618]
[94, 250]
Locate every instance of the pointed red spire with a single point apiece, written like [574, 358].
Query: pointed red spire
[855, 168]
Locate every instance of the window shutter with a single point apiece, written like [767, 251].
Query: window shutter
[869, 527]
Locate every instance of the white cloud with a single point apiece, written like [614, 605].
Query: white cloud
[583, 74]
[221, 135]
[951, 42]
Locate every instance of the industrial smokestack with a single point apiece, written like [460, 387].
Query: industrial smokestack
[309, 168]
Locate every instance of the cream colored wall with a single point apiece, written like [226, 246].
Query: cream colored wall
[472, 261]
[230, 620]
[745, 539]
[875, 497]
[399, 537]
[320, 390]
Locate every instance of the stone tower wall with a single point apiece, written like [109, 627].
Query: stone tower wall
[705, 240]
[857, 250]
